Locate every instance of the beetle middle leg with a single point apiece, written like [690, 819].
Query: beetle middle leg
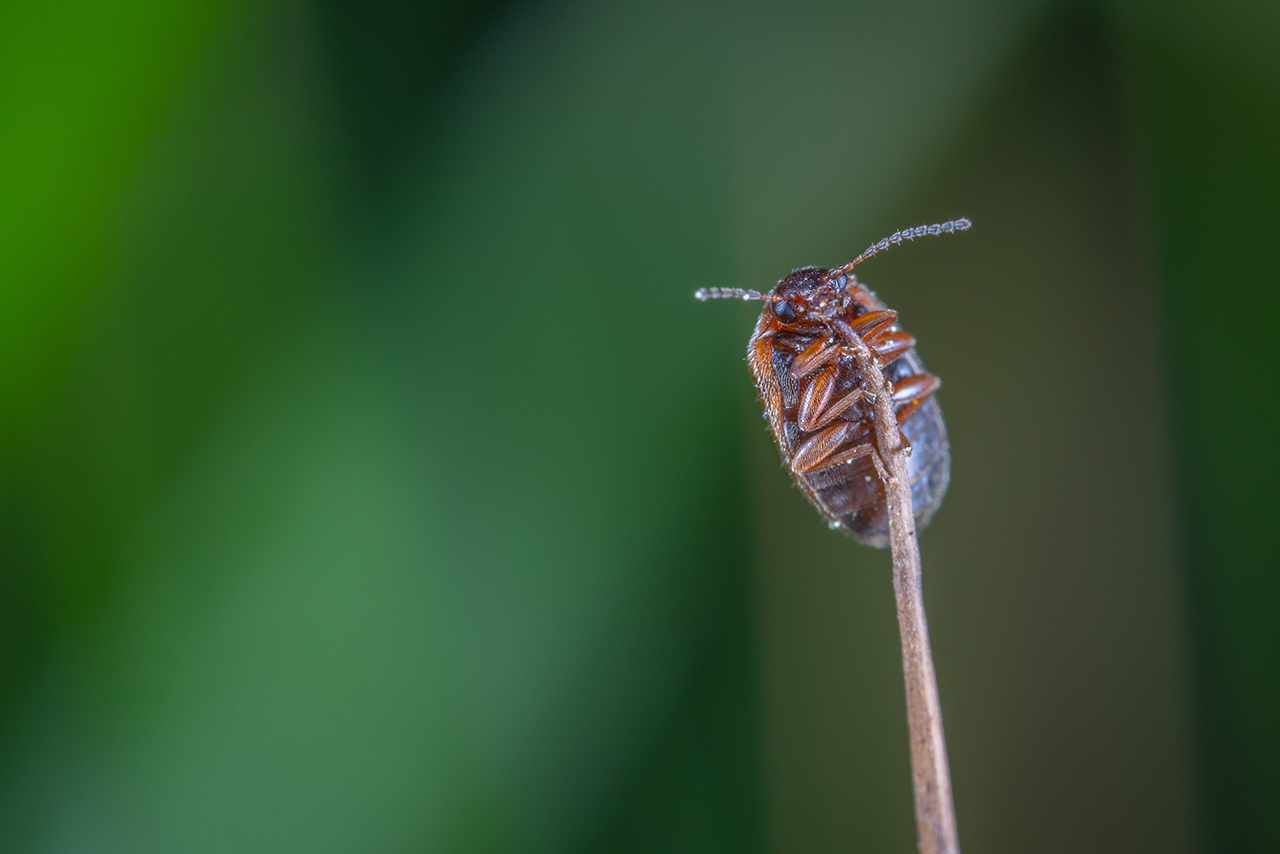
[816, 355]
[914, 388]
[816, 409]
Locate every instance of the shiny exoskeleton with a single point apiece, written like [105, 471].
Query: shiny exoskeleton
[802, 355]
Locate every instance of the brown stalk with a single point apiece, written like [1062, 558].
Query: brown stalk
[930, 774]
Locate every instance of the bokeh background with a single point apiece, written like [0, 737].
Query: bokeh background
[370, 480]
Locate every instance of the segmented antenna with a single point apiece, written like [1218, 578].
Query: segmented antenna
[949, 227]
[704, 294]
[897, 237]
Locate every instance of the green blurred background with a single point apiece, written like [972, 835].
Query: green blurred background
[370, 480]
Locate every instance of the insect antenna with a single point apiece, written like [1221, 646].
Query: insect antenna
[704, 294]
[948, 227]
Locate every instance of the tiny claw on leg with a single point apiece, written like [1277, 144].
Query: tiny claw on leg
[880, 470]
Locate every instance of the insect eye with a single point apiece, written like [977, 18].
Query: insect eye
[785, 311]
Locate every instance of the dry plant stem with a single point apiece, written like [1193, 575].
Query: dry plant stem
[935, 812]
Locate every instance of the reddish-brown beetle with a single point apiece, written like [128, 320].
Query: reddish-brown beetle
[802, 355]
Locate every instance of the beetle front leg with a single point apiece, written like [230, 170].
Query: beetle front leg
[811, 358]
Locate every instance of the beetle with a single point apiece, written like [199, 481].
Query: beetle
[805, 358]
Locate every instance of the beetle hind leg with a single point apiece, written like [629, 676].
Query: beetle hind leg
[848, 455]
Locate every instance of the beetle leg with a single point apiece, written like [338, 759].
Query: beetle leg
[818, 447]
[848, 455]
[905, 413]
[819, 453]
[817, 418]
[873, 322]
[915, 387]
[814, 399]
[857, 452]
[908, 394]
[814, 356]
[840, 406]
[885, 477]
[889, 345]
